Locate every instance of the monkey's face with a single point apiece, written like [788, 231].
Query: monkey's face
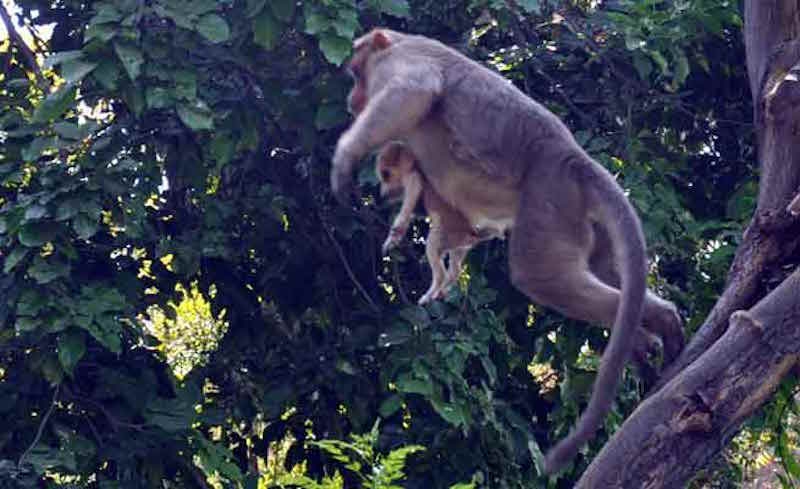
[363, 48]
[391, 180]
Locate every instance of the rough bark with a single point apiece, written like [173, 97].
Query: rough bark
[751, 338]
[679, 429]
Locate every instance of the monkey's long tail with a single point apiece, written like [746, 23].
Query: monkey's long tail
[623, 224]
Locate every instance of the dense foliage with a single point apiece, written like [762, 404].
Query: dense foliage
[170, 154]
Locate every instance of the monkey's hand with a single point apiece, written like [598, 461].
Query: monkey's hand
[395, 234]
[342, 171]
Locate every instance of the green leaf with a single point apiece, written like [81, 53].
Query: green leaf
[397, 8]
[406, 383]
[44, 271]
[67, 209]
[254, 7]
[531, 6]
[787, 455]
[71, 348]
[266, 30]
[346, 23]
[75, 71]
[643, 65]
[55, 104]
[53, 373]
[316, 21]
[36, 234]
[100, 32]
[660, 60]
[390, 405]
[26, 324]
[185, 84]
[452, 413]
[61, 57]
[35, 212]
[131, 57]
[681, 68]
[68, 130]
[197, 117]
[85, 226]
[107, 73]
[223, 148]
[104, 330]
[106, 12]
[214, 28]
[13, 258]
[158, 97]
[335, 48]
[416, 315]
[172, 415]
[283, 9]
[37, 147]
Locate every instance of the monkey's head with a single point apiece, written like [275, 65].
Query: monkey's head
[393, 162]
[363, 48]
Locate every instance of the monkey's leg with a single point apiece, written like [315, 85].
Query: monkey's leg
[549, 250]
[412, 184]
[433, 252]
[456, 257]
[660, 316]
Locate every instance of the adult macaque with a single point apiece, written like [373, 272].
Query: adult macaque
[504, 161]
[449, 234]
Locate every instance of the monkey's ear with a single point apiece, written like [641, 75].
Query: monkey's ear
[380, 40]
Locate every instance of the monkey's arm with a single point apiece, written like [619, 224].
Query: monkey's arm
[396, 108]
[413, 189]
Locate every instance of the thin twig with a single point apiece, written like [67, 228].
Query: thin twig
[400, 289]
[115, 422]
[349, 270]
[17, 40]
[45, 418]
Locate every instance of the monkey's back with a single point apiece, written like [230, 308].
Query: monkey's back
[504, 129]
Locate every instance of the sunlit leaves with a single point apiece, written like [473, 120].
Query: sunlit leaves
[55, 104]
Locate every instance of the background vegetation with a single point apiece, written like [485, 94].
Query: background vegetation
[182, 304]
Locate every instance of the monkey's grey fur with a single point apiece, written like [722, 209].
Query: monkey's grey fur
[505, 161]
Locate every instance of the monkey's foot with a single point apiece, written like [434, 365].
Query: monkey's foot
[670, 331]
[395, 235]
[433, 293]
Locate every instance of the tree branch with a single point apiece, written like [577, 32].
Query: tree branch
[16, 39]
[683, 426]
[43, 423]
[772, 234]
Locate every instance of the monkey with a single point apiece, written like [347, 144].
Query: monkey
[504, 160]
[450, 233]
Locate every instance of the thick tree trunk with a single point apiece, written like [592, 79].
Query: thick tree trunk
[751, 338]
